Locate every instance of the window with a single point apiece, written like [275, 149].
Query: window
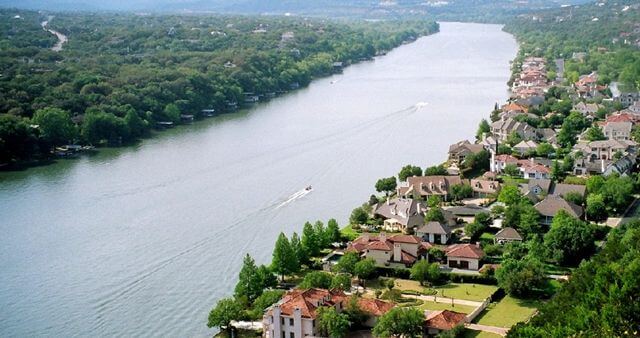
[282, 320]
[292, 335]
[284, 334]
[290, 321]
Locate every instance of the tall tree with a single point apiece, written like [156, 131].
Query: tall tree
[570, 240]
[226, 310]
[333, 231]
[400, 322]
[520, 277]
[423, 271]
[283, 256]
[310, 241]
[409, 171]
[300, 255]
[386, 185]
[249, 285]
[55, 125]
[331, 323]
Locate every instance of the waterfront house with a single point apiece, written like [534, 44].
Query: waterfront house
[551, 205]
[507, 235]
[460, 150]
[295, 315]
[464, 256]
[434, 232]
[426, 186]
[397, 251]
[442, 320]
[400, 214]
[501, 129]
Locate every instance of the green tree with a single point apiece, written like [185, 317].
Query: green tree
[595, 134]
[98, 126]
[435, 215]
[474, 230]
[266, 299]
[333, 231]
[310, 242]
[405, 322]
[434, 201]
[513, 139]
[461, 191]
[510, 195]
[316, 279]
[512, 170]
[386, 185]
[321, 235]
[520, 277]
[283, 256]
[55, 125]
[331, 323]
[409, 171]
[435, 171]
[347, 263]
[358, 216]
[249, 285]
[226, 310]
[300, 254]
[570, 240]
[341, 281]
[596, 208]
[364, 268]
[423, 271]
[483, 128]
[544, 149]
[574, 197]
[137, 126]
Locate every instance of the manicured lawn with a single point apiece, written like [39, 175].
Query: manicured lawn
[508, 312]
[479, 334]
[476, 292]
[405, 284]
[552, 269]
[433, 306]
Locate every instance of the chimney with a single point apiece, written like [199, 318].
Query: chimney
[388, 200]
[478, 245]
[532, 161]
[397, 252]
[382, 237]
[602, 168]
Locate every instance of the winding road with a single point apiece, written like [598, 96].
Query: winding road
[62, 39]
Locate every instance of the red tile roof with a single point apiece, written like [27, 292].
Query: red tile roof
[464, 251]
[444, 319]
[309, 300]
[374, 307]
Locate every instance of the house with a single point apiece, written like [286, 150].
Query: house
[535, 171]
[426, 186]
[535, 189]
[442, 320]
[551, 205]
[562, 189]
[501, 129]
[296, 313]
[464, 256]
[622, 166]
[393, 251]
[605, 150]
[512, 106]
[588, 110]
[459, 151]
[499, 162]
[489, 143]
[484, 188]
[525, 147]
[617, 130]
[400, 214]
[507, 235]
[548, 135]
[434, 232]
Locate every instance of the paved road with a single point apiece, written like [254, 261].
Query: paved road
[492, 329]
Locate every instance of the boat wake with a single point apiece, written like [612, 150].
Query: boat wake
[297, 195]
[420, 105]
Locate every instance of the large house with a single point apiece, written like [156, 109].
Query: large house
[484, 188]
[464, 256]
[434, 232]
[501, 129]
[507, 235]
[552, 204]
[393, 251]
[459, 151]
[400, 214]
[427, 186]
[604, 150]
[589, 110]
[294, 316]
[617, 130]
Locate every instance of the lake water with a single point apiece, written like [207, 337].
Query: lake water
[142, 241]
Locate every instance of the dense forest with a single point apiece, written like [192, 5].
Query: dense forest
[120, 75]
[602, 36]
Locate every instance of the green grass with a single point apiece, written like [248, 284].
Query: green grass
[553, 269]
[508, 312]
[508, 180]
[479, 334]
[405, 284]
[349, 232]
[467, 291]
[433, 306]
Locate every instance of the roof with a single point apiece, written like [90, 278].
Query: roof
[552, 204]
[506, 158]
[429, 185]
[400, 209]
[514, 106]
[466, 147]
[381, 242]
[434, 228]
[561, 189]
[508, 233]
[444, 319]
[485, 186]
[526, 144]
[465, 251]
[308, 301]
[374, 307]
[543, 183]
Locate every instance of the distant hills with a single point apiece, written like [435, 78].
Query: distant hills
[447, 9]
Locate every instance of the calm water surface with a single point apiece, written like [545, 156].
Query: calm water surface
[142, 241]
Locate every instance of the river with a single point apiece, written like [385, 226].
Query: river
[142, 241]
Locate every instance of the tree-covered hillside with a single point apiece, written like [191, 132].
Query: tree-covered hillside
[120, 74]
